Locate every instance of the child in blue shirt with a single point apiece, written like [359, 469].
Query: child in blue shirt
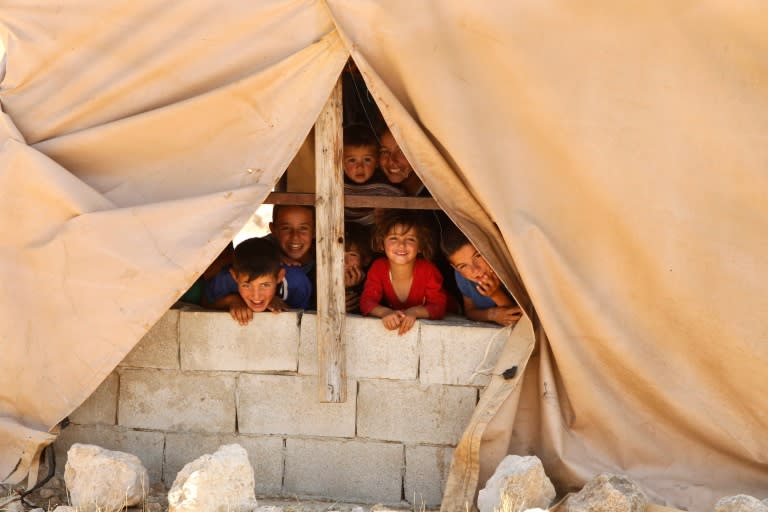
[485, 298]
[257, 281]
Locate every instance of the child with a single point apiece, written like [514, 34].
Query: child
[397, 168]
[256, 282]
[361, 154]
[485, 299]
[404, 285]
[293, 230]
[357, 257]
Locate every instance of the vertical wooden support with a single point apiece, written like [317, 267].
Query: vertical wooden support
[329, 241]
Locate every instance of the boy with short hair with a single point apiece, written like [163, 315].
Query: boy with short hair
[293, 230]
[485, 298]
[257, 281]
[361, 155]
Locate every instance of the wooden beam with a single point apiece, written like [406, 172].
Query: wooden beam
[404, 203]
[329, 244]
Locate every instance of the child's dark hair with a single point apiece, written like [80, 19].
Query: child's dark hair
[276, 210]
[407, 220]
[257, 257]
[359, 135]
[358, 236]
[452, 239]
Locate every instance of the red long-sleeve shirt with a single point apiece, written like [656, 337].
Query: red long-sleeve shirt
[426, 289]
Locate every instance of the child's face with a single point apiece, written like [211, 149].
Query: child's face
[401, 245]
[470, 263]
[392, 161]
[258, 292]
[294, 230]
[360, 162]
[352, 258]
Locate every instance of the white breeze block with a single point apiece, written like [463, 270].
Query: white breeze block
[148, 446]
[264, 453]
[364, 471]
[451, 352]
[290, 405]
[214, 341]
[408, 412]
[101, 406]
[372, 351]
[171, 400]
[159, 348]
[426, 471]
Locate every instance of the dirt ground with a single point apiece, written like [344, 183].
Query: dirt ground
[53, 494]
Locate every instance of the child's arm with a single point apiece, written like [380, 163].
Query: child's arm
[502, 315]
[490, 286]
[236, 307]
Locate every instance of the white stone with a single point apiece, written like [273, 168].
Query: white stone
[740, 503]
[607, 493]
[222, 482]
[14, 506]
[518, 483]
[104, 480]
[269, 508]
[64, 508]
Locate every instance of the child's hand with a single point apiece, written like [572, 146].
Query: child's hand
[353, 275]
[276, 305]
[488, 284]
[352, 300]
[406, 323]
[505, 315]
[240, 312]
[393, 320]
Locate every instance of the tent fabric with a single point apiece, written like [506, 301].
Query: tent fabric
[608, 157]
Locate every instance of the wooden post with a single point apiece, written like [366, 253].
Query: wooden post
[329, 243]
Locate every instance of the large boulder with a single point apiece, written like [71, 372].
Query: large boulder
[519, 483]
[607, 493]
[104, 480]
[222, 482]
[741, 503]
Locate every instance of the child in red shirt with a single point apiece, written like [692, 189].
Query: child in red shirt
[404, 285]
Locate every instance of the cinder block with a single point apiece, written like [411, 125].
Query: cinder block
[159, 348]
[408, 412]
[101, 406]
[214, 341]
[290, 405]
[265, 454]
[450, 353]
[372, 351]
[172, 400]
[347, 470]
[426, 471]
[147, 446]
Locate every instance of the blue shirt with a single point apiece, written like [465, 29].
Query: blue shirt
[468, 289]
[295, 289]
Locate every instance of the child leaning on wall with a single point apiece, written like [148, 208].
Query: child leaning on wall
[257, 281]
[357, 258]
[404, 285]
[485, 298]
[293, 230]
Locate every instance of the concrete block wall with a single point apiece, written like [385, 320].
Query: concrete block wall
[198, 380]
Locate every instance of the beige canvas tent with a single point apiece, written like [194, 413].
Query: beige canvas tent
[608, 157]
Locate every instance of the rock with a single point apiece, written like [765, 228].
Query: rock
[63, 508]
[269, 508]
[153, 507]
[519, 483]
[741, 503]
[222, 482]
[55, 483]
[104, 480]
[14, 506]
[37, 510]
[607, 493]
